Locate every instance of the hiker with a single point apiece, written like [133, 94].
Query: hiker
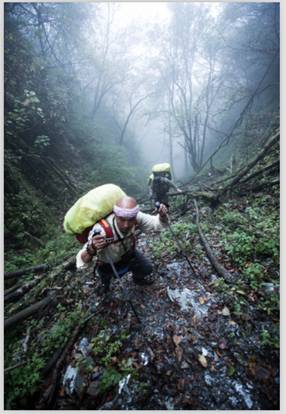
[160, 181]
[115, 239]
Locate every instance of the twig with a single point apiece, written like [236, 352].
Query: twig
[25, 344]
[14, 366]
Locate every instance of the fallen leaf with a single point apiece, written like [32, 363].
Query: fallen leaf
[201, 300]
[177, 339]
[241, 292]
[202, 359]
[213, 367]
[225, 311]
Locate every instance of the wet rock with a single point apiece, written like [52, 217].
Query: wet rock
[73, 382]
[169, 404]
[233, 401]
[209, 380]
[84, 346]
[123, 384]
[244, 393]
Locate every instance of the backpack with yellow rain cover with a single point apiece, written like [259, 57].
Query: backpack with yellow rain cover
[91, 208]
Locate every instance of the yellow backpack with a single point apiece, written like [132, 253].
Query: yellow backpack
[91, 207]
[161, 168]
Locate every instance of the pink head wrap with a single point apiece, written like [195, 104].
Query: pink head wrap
[128, 213]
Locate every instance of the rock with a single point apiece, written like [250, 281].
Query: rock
[184, 365]
[73, 382]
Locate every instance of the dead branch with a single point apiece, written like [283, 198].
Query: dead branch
[34, 238]
[217, 266]
[270, 142]
[261, 171]
[48, 400]
[209, 195]
[14, 366]
[32, 269]
[25, 313]
[17, 294]
[260, 186]
[11, 289]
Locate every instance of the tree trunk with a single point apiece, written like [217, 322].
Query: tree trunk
[271, 141]
[217, 266]
[12, 296]
[19, 273]
[25, 313]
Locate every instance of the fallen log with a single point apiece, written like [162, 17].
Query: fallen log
[48, 399]
[260, 186]
[273, 139]
[213, 260]
[261, 171]
[18, 293]
[32, 269]
[11, 289]
[25, 313]
[209, 195]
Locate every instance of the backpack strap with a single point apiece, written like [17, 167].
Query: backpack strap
[83, 237]
[108, 230]
[121, 240]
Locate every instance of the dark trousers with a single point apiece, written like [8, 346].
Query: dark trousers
[160, 197]
[135, 262]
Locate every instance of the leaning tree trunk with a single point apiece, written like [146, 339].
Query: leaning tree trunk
[217, 266]
[25, 313]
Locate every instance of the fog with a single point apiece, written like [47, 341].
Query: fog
[177, 77]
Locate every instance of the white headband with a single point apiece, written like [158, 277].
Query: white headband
[127, 213]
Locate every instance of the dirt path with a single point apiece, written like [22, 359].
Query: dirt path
[189, 352]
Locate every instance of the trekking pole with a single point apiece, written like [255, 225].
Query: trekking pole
[110, 261]
[178, 242]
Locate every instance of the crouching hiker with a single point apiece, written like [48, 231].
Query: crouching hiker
[112, 241]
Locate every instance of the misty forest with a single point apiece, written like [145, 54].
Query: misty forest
[102, 93]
